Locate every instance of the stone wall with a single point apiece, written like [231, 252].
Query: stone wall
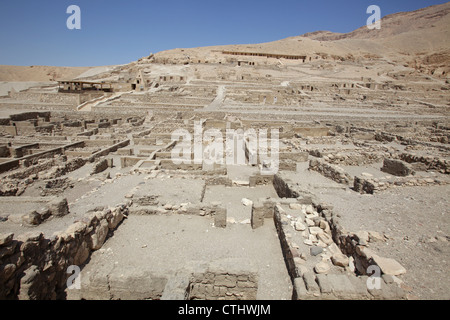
[15, 183]
[397, 167]
[4, 151]
[42, 165]
[331, 171]
[288, 252]
[149, 205]
[101, 166]
[261, 209]
[23, 116]
[312, 132]
[33, 267]
[54, 207]
[129, 161]
[220, 180]
[109, 149]
[347, 249]
[348, 158]
[259, 179]
[282, 187]
[372, 185]
[432, 163]
[168, 164]
[355, 245]
[34, 158]
[288, 165]
[60, 98]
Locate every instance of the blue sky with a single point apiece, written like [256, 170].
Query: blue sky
[34, 32]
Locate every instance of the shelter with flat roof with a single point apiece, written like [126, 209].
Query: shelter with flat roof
[76, 86]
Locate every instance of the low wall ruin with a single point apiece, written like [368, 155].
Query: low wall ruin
[371, 185]
[331, 171]
[33, 267]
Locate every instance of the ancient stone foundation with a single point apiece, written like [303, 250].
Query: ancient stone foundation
[36, 268]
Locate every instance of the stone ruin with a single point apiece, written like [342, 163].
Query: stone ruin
[88, 181]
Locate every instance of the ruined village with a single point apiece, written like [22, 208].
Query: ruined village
[330, 177]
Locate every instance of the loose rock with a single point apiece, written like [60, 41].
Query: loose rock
[322, 267]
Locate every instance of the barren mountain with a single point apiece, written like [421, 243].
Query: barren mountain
[419, 39]
[433, 20]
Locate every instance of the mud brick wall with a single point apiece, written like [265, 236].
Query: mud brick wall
[9, 165]
[384, 136]
[217, 285]
[33, 267]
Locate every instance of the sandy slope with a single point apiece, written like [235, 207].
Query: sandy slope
[39, 73]
[403, 37]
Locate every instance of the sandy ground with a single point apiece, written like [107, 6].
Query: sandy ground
[166, 244]
[5, 87]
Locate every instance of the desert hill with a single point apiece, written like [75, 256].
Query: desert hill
[39, 73]
[418, 38]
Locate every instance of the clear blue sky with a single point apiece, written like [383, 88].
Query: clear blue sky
[34, 32]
